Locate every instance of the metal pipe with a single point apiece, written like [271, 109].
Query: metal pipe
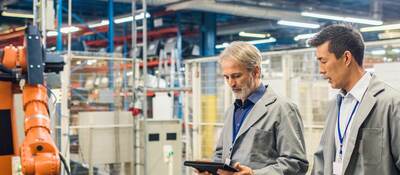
[188, 147]
[111, 43]
[68, 67]
[35, 13]
[43, 4]
[65, 84]
[144, 32]
[69, 25]
[59, 24]
[376, 8]
[134, 168]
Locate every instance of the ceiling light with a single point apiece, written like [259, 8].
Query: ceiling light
[119, 20]
[323, 16]
[221, 46]
[254, 42]
[17, 14]
[124, 19]
[70, 29]
[380, 28]
[254, 35]
[102, 23]
[378, 52]
[269, 40]
[389, 35]
[304, 36]
[298, 24]
[396, 50]
[129, 18]
[52, 33]
[363, 21]
[342, 18]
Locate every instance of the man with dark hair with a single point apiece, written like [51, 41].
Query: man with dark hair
[362, 128]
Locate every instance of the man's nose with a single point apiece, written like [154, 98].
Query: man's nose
[231, 82]
[322, 70]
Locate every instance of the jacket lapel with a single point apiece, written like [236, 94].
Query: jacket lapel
[257, 112]
[229, 130]
[366, 105]
[330, 137]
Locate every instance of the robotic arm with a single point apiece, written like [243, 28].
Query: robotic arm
[38, 152]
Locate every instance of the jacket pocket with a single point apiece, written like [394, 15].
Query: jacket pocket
[371, 145]
[262, 145]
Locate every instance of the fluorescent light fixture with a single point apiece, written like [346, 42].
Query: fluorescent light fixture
[91, 62]
[221, 46]
[304, 36]
[396, 50]
[70, 29]
[378, 52]
[102, 23]
[322, 16]
[124, 19]
[389, 35]
[380, 28]
[119, 20]
[254, 35]
[52, 33]
[130, 18]
[254, 42]
[298, 24]
[363, 21]
[16, 14]
[269, 40]
[342, 18]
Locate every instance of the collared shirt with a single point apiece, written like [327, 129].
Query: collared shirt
[242, 109]
[348, 103]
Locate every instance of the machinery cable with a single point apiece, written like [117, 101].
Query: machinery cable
[53, 94]
[64, 162]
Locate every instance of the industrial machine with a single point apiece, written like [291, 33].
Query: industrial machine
[22, 70]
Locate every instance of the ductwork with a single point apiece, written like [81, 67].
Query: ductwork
[237, 10]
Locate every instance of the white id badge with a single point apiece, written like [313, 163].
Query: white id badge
[337, 168]
[227, 161]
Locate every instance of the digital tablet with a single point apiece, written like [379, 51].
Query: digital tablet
[211, 167]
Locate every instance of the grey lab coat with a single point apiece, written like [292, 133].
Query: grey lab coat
[270, 140]
[374, 141]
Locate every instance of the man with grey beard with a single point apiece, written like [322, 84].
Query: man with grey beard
[262, 133]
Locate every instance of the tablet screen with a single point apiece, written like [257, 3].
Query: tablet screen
[211, 167]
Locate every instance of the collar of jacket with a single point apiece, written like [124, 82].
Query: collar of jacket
[256, 113]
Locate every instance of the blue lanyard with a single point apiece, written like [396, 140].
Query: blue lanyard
[235, 132]
[347, 125]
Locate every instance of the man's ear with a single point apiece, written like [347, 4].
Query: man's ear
[347, 56]
[257, 72]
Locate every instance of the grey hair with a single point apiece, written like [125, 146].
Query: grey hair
[244, 53]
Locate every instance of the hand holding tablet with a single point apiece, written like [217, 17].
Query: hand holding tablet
[211, 167]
